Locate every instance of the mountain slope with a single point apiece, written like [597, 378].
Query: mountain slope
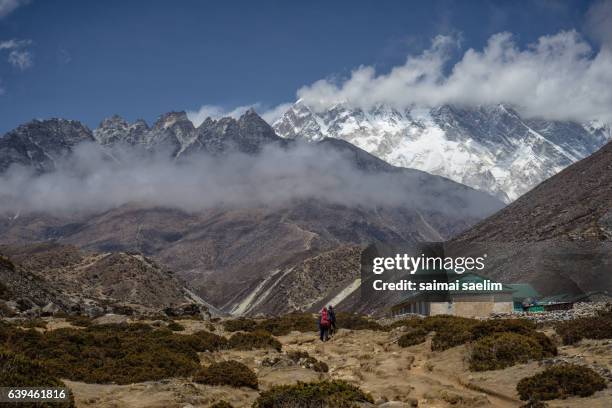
[575, 204]
[490, 148]
[40, 145]
[557, 236]
[244, 257]
[72, 280]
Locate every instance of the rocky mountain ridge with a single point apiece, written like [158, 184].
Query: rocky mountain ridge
[40, 144]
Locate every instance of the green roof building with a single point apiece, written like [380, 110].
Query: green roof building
[523, 294]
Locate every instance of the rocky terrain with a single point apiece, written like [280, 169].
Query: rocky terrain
[490, 148]
[47, 279]
[557, 236]
[394, 376]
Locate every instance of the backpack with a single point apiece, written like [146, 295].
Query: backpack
[324, 318]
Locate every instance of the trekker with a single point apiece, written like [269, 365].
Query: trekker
[324, 325]
[332, 320]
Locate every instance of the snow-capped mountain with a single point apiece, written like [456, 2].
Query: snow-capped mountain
[490, 148]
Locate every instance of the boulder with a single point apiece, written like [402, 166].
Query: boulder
[50, 309]
[9, 308]
[188, 309]
[413, 402]
[111, 319]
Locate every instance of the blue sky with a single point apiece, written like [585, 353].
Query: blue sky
[87, 60]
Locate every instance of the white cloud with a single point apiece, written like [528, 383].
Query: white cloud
[274, 113]
[87, 181]
[18, 56]
[8, 6]
[14, 44]
[216, 112]
[21, 59]
[557, 77]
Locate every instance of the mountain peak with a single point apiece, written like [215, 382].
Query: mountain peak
[251, 115]
[114, 121]
[166, 120]
[40, 144]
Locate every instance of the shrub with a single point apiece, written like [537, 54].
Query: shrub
[222, 404]
[256, 340]
[19, 371]
[227, 373]
[534, 404]
[598, 327]
[305, 360]
[32, 323]
[450, 331]
[104, 354]
[277, 326]
[413, 337]
[320, 366]
[5, 262]
[409, 322]
[5, 293]
[489, 327]
[174, 326]
[297, 355]
[449, 337]
[501, 350]
[560, 382]
[438, 322]
[5, 310]
[241, 324]
[353, 321]
[285, 324]
[81, 321]
[336, 394]
[202, 341]
[549, 348]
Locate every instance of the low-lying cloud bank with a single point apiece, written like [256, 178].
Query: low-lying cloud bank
[94, 180]
[559, 77]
